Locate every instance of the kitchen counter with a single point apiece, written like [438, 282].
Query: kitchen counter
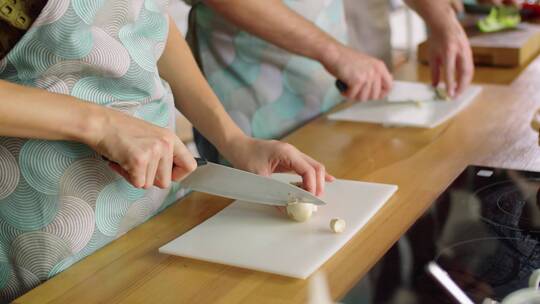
[493, 131]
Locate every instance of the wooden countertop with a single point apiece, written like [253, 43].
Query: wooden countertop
[494, 131]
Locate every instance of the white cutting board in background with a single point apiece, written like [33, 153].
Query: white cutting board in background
[427, 115]
[260, 237]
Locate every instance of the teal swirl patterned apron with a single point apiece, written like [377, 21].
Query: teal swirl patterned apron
[59, 202]
[266, 90]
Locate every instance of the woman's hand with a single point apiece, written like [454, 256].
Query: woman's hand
[144, 154]
[265, 157]
[367, 78]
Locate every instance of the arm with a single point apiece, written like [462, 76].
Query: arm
[192, 94]
[34, 113]
[196, 100]
[273, 21]
[451, 53]
[128, 142]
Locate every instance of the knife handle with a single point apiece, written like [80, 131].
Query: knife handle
[201, 161]
[341, 86]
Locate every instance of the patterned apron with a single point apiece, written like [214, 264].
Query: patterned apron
[266, 90]
[59, 202]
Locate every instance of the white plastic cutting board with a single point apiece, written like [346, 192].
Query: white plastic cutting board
[428, 115]
[260, 237]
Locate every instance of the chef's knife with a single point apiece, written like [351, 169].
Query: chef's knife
[403, 102]
[245, 186]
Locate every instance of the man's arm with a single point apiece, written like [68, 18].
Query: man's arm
[273, 21]
[451, 54]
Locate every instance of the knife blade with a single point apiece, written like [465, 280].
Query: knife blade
[245, 186]
[405, 102]
[386, 102]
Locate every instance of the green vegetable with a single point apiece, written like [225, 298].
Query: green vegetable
[500, 18]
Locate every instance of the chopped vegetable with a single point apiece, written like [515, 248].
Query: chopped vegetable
[299, 211]
[337, 225]
[441, 94]
[500, 18]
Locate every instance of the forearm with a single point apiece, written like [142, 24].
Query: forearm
[36, 113]
[436, 13]
[274, 22]
[193, 96]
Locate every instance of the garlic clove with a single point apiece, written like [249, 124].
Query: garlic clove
[337, 225]
[441, 94]
[299, 212]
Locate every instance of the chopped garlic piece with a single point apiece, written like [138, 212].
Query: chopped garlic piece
[337, 225]
[440, 93]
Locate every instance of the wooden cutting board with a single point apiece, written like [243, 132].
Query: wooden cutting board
[507, 48]
[261, 238]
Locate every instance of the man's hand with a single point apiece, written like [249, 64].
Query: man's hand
[265, 157]
[367, 78]
[450, 52]
[450, 56]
